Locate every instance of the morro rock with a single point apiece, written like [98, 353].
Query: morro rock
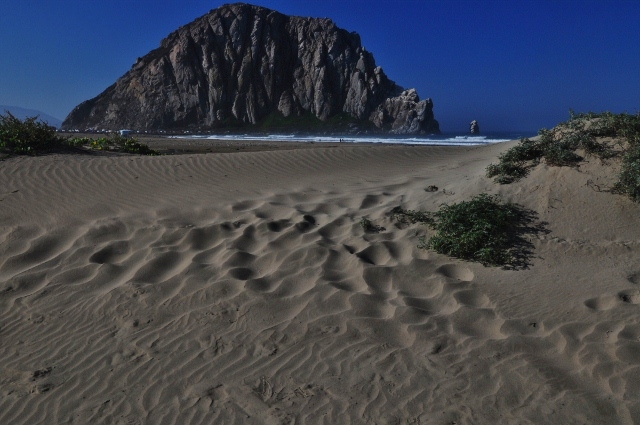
[240, 64]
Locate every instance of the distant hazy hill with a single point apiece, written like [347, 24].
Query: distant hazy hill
[23, 113]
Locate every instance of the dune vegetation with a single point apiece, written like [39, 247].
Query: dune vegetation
[607, 136]
[32, 137]
[483, 229]
[488, 231]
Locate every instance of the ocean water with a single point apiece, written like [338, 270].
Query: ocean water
[433, 140]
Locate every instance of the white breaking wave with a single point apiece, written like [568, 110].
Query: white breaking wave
[428, 140]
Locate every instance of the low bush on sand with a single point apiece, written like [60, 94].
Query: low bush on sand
[483, 230]
[115, 143]
[604, 135]
[508, 171]
[369, 227]
[30, 137]
[476, 230]
[629, 177]
[26, 137]
[410, 216]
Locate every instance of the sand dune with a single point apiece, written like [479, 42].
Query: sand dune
[241, 288]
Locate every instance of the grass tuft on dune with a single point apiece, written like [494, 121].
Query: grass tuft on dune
[604, 135]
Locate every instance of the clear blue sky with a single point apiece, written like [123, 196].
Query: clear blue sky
[512, 65]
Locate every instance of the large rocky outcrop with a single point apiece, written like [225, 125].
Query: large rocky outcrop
[240, 63]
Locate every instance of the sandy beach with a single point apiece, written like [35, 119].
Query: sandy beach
[238, 287]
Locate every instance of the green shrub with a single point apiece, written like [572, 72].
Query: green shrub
[77, 141]
[617, 125]
[27, 137]
[629, 177]
[410, 216]
[369, 227]
[507, 172]
[526, 150]
[561, 153]
[483, 229]
[116, 143]
[133, 146]
[559, 146]
[591, 146]
[515, 163]
[625, 127]
[557, 151]
[477, 230]
[101, 143]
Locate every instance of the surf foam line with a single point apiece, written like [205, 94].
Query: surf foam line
[431, 140]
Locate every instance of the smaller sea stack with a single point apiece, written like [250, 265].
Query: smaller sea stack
[474, 128]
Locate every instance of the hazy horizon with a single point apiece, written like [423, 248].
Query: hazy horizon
[513, 66]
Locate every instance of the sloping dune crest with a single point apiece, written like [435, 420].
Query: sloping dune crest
[241, 288]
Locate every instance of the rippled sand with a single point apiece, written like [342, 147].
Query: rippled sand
[241, 288]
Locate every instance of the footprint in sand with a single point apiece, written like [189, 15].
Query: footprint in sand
[261, 284]
[378, 279]
[374, 254]
[202, 238]
[334, 229]
[472, 298]
[245, 205]
[455, 271]
[160, 268]
[371, 306]
[306, 224]
[601, 303]
[634, 278]
[483, 323]
[278, 225]
[106, 231]
[430, 306]
[631, 332]
[630, 296]
[111, 253]
[248, 241]
[370, 201]
[240, 259]
[607, 302]
[241, 273]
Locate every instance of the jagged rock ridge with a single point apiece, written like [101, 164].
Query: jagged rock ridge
[239, 63]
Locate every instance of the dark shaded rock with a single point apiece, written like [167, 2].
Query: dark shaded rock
[240, 63]
[406, 114]
[474, 128]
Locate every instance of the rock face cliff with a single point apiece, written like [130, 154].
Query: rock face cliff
[239, 64]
